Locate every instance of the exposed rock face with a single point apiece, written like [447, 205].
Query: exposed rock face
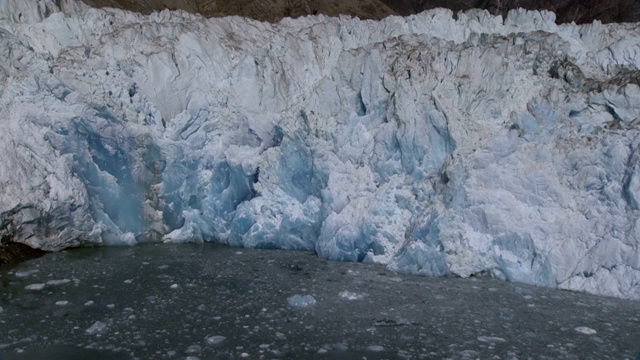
[13, 253]
[567, 11]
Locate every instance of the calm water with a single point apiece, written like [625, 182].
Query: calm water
[214, 302]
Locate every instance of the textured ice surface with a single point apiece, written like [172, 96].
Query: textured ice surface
[435, 145]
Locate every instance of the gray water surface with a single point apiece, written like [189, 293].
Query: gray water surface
[214, 302]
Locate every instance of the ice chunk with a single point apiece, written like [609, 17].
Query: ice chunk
[350, 295]
[26, 273]
[193, 349]
[376, 348]
[379, 145]
[97, 328]
[301, 300]
[215, 340]
[35, 286]
[586, 330]
[58, 282]
[491, 339]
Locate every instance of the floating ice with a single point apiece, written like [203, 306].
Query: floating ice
[58, 282]
[35, 287]
[491, 339]
[193, 349]
[376, 348]
[98, 327]
[350, 295]
[62, 303]
[586, 330]
[301, 300]
[22, 274]
[215, 340]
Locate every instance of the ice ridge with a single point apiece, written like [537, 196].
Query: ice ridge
[435, 145]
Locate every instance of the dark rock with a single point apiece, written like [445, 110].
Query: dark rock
[567, 11]
[13, 253]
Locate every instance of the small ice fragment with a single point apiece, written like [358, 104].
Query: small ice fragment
[58, 282]
[491, 339]
[128, 281]
[34, 287]
[174, 286]
[98, 327]
[88, 303]
[111, 306]
[323, 351]
[244, 355]
[193, 349]
[524, 292]
[376, 348]
[301, 300]
[350, 295]
[1, 309]
[238, 252]
[192, 358]
[585, 330]
[280, 336]
[62, 303]
[215, 340]
[395, 279]
[26, 273]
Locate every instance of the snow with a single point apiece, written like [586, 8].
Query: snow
[437, 146]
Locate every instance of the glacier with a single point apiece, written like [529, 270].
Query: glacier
[436, 144]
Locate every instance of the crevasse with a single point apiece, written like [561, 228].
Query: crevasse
[435, 145]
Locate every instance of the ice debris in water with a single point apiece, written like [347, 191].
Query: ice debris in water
[585, 330]
[350, 295]
[301, 300]
[34, 287]
[62, 303]
[26, 273]
[58, 282]
[215, 340]
[491, 339]
[193, 349]
[98, 327]
[376, 348]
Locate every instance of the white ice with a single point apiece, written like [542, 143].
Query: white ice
[437, 146]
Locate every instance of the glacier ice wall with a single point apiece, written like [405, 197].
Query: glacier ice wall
[435, 145]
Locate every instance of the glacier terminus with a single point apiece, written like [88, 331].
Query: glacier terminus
[434, 144]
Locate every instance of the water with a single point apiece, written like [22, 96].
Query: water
[214, 302]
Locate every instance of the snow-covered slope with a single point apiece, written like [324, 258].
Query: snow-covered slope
[434, 145]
